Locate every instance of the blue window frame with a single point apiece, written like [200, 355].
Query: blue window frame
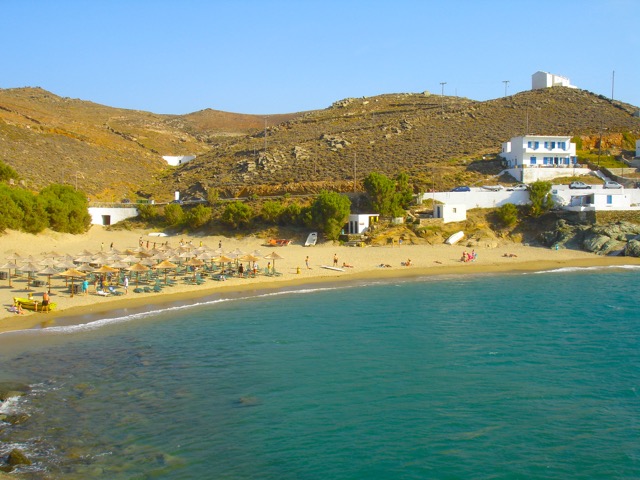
[533, 160]
[609, 199]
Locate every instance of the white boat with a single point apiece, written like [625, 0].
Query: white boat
[456, 237]
[311, 239]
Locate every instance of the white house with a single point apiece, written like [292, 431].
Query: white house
[111, 215]
[541, 157]
[545, 80]
[360, 223]
[175, 161]
[449, 212]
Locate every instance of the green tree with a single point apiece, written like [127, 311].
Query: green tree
[146, 212]
[173, 214]
[10, 213]
[271, 211]
[329, 212]
[508, 214]
[237, 214]
[198, 216]
[67, 209]
[404, 192]
[34, 218]
[540, 197]
[381, 190]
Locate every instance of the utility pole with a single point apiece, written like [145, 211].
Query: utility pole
[265, 136]
[613, 81]
[442, 84]
[506, 86]
[355, 166]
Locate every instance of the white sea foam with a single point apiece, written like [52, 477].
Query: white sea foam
[587, 269]
[99, 323]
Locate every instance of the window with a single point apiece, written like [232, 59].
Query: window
[553, 145]
[566, 161]
[536, 145]
[609, 199]
[533, 160]
[562, 145]
[529, 144]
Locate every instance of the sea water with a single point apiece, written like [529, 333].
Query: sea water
[494, 376]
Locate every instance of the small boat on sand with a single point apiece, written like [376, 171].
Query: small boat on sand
[33, 305]
[455, 238]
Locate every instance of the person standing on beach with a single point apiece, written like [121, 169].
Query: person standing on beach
[126, 285]
[306, 261]
[335, 259]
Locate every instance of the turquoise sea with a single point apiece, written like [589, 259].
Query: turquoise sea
[532, 376]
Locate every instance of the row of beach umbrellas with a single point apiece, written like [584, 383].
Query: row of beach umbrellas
[137, 260]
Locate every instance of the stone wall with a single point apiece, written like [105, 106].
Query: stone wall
[617, 216]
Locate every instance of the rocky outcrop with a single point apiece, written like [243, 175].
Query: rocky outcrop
[12, 389]
[621, 238]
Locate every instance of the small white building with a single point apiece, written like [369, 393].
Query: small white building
[111, 215]
[545, 80]
[449, 212]
[530, 158]
[360, 223]
[175, 161]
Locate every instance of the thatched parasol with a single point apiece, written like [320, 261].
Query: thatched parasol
[137, 267]
[48, 271]
[273, 256]
[29, 268]
[10, 265]
[164, 265]
[72, 273]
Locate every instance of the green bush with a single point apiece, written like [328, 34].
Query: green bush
[508, 214]
[7, 173]
[173, 214]
[67, 209]
[237, 214]
[271, 211]
[540, 197]
[198, 216]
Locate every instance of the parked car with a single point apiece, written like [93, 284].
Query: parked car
[579, 185]
[611, 184]
[517, 188]
[461, 189]
[179, 202]
[493, 188]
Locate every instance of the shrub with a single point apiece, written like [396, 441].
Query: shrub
[173, 214]
[67, 208]
[508, 214]
[197, 216]
[329, 212]
[271, 211]
[540, 197]
[237, 214]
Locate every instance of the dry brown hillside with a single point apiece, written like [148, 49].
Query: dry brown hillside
[439, 140]
[108, 152]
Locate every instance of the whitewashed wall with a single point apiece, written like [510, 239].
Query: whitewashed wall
[99, 215]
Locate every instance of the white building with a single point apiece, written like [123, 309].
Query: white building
[360, 223]
[111, 215]
[450, 212]
[545, 80]
[175, 161]
[530, 158]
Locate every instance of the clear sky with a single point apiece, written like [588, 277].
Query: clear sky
[283, 56]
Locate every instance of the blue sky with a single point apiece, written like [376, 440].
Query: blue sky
[282, 56]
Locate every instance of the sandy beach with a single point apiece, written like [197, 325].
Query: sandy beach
[365, 263]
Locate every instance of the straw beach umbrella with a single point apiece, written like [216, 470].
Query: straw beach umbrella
[72, 273]
[30, 268]
[165, 265]
[273, 256]
[48, 271]
[137, 267]
[9, 266]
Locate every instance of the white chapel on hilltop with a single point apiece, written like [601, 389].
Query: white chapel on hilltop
[541, 80]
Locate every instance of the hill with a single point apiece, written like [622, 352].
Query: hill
[440, 141]
[107, 152]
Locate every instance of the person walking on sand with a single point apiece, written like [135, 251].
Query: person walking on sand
[126, 285]
[306, 261]
[335, 259]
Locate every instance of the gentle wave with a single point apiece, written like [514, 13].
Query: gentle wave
[96, 324]
[586, 269]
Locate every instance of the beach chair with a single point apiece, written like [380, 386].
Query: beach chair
[113, 291]
[157, 288]
[138, 290]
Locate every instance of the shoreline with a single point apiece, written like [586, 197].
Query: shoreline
[117, 307]
[426, 260]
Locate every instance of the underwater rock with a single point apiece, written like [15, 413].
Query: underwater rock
[12, 389]
[17, 457]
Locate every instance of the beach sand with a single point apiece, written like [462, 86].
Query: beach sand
[366, 261]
